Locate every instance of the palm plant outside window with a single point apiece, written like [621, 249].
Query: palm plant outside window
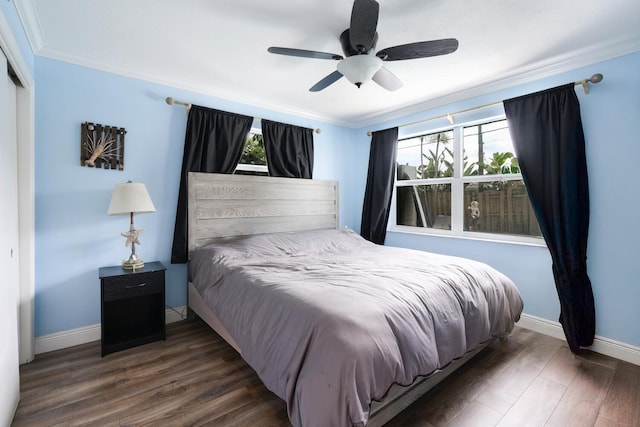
[464, 180]
[254, 159]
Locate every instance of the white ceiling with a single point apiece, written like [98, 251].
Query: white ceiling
[219, 47]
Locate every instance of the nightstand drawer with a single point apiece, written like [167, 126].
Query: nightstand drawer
[133, 285]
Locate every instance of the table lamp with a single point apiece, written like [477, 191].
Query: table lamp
[130, 198]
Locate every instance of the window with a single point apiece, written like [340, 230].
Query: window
[254, 159]
[464, 181]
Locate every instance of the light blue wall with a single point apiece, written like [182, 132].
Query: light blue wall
[74, 235]
[610, 115]
[8, 10]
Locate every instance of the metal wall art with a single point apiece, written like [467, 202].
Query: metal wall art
[102, 146]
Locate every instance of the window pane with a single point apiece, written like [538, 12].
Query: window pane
[500, 207]
[254, 159]
[488, 149]
[253, 152]
[426, 156]
[424, 206]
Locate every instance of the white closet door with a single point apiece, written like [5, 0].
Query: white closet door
[9, 265]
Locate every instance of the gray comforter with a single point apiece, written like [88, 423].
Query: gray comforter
[330, 321]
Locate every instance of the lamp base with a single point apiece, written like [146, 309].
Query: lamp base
[133, 263]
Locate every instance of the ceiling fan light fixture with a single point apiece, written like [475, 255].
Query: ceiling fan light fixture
[358, 44]
[359, 69]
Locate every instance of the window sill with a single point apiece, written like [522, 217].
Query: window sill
[483, 237]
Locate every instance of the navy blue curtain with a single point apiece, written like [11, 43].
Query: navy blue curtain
[547, 135]
[289, 149]
[379, 189]
[213, 143]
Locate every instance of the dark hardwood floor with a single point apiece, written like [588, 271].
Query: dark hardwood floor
[195, 378]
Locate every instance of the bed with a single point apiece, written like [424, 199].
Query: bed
[346, 332]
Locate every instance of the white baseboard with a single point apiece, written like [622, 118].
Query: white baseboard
[606, 346]
[68, 338]
[175, 314]
[85, 334]
[72, 337]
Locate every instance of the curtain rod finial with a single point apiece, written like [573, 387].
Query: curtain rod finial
[596, 78]
[317, 130]
[170, 100]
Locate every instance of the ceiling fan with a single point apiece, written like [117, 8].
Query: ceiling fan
[358, 43]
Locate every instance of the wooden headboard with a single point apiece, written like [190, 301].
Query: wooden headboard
[223, 206]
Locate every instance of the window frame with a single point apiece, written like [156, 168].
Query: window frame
[457, 182]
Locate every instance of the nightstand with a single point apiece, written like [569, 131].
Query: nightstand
[132, 305]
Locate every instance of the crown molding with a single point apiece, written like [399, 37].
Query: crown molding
[28, 15]
[541, 70]
[199, 87]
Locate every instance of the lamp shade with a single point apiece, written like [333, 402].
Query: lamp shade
[130, 197]
[359, 69]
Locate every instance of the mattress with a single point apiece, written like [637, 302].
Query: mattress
[330, 321]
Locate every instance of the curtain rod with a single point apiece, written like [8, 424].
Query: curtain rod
[596, 78]
[187, 107]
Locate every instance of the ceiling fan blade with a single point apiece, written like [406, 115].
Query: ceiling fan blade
[418, 50]
[304, 53]
[327, 81]
[364, 21]
[387, 79]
